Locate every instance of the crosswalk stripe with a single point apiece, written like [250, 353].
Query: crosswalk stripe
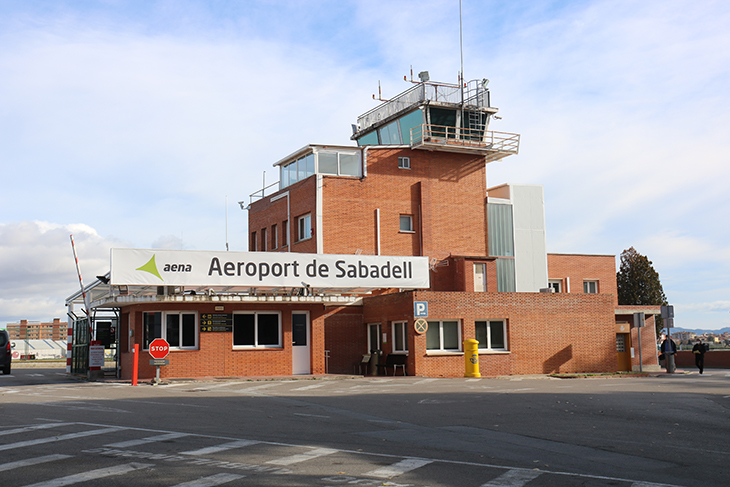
[513, 478]
[32, 428]
[398, 468]
[32, 461]
[52, 439]
[211, 480]
[144, 441]
[219, 448]
[92, 475]
[302, 457]
[650, 484]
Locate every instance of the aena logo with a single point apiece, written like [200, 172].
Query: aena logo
[151, 267]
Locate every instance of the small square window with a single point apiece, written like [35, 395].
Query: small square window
[406, 223]
[590, 287]
[404, 162]
[556, 285]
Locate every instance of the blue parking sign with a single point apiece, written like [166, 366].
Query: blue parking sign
[420, 309]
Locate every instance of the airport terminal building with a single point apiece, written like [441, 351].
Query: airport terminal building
[393, 251]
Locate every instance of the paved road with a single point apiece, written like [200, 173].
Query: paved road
[535, 432]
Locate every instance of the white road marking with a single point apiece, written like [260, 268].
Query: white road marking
[513, 478]
[306, 388]
[143, 441]
[398, 468]
[211, 480]
[302, 457]
[473, 380]
[32, 461]
[424, 381]
[311, 415]
[52, 439]
[650, 484]
[32, 428]
[219, 448]
[256, 388]
[92, 475]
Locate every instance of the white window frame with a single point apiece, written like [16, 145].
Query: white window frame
[489, 323]
[556, 285]
[587, 284]
[401, 334]
[410, 224]
[256, 345]
[441, 349]
[146, 340]
[483, 287]
[379, 331]
[304, 227]
[404, 163]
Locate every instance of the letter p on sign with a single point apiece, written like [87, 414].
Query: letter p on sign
[420, 309]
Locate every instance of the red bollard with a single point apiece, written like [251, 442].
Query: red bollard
[135, 364]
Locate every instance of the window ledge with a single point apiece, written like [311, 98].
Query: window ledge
[406, 231]
[493, 352]
[250, 348]
[434, 353]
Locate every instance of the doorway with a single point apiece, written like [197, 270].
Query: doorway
[623, 350]
[301, 348]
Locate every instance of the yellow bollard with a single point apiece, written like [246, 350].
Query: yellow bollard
[471, 358]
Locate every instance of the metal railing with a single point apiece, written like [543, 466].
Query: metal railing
[474, 94]
[261, 193]
[441, 136]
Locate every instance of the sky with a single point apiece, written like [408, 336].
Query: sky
[143, 123]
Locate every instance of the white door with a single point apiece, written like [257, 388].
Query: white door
[301, 350]
[480, 278]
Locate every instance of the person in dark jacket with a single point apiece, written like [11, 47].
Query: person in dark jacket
[699, 351]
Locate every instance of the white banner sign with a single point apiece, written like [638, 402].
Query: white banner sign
[135, 267]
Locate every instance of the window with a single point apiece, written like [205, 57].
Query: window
[304, 224]
[443, 336]
[590, 287]
[264, 247]
[491, 334]
[339, 163]
[274, 237]
[257, 330]
[406, 223]
[375, 342]
[180, 329]
[400, 336]
[285, 233]
[556, 285]
[253, 242]
[404, 162]
[480, 278]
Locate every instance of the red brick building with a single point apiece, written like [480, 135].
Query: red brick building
[25, 330]
[414, 187]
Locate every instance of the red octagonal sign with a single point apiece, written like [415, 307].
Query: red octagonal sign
[159, 348]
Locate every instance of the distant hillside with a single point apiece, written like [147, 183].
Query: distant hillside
[700, 332]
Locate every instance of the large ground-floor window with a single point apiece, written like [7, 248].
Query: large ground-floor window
[179, 328]
[443, 336]
[491, 334]
[260, 329]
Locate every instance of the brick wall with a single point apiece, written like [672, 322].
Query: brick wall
[579, 267]
[546, 332]
[215, 356]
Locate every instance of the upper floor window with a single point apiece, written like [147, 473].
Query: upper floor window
[253, 242]
[480, 277]
[556, 285]
[404, 162]
[335, 162]
[304, 225]
[274, 236]
[406, 223]
[264, 245]
[590, 287]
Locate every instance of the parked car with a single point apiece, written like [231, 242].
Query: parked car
[6, 353]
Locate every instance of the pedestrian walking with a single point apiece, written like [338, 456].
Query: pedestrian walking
[699, 351]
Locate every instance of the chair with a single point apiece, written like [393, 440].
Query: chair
[364, 362]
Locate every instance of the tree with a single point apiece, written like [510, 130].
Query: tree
[638, 283]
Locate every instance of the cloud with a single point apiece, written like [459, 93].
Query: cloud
[38, 267]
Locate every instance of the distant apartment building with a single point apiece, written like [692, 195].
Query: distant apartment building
[25, 330]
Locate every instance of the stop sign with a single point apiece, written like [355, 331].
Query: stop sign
[159, 348]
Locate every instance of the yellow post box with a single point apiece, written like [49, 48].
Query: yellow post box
[471, 358]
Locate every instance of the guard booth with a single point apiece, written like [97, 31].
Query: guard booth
[101, 325]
